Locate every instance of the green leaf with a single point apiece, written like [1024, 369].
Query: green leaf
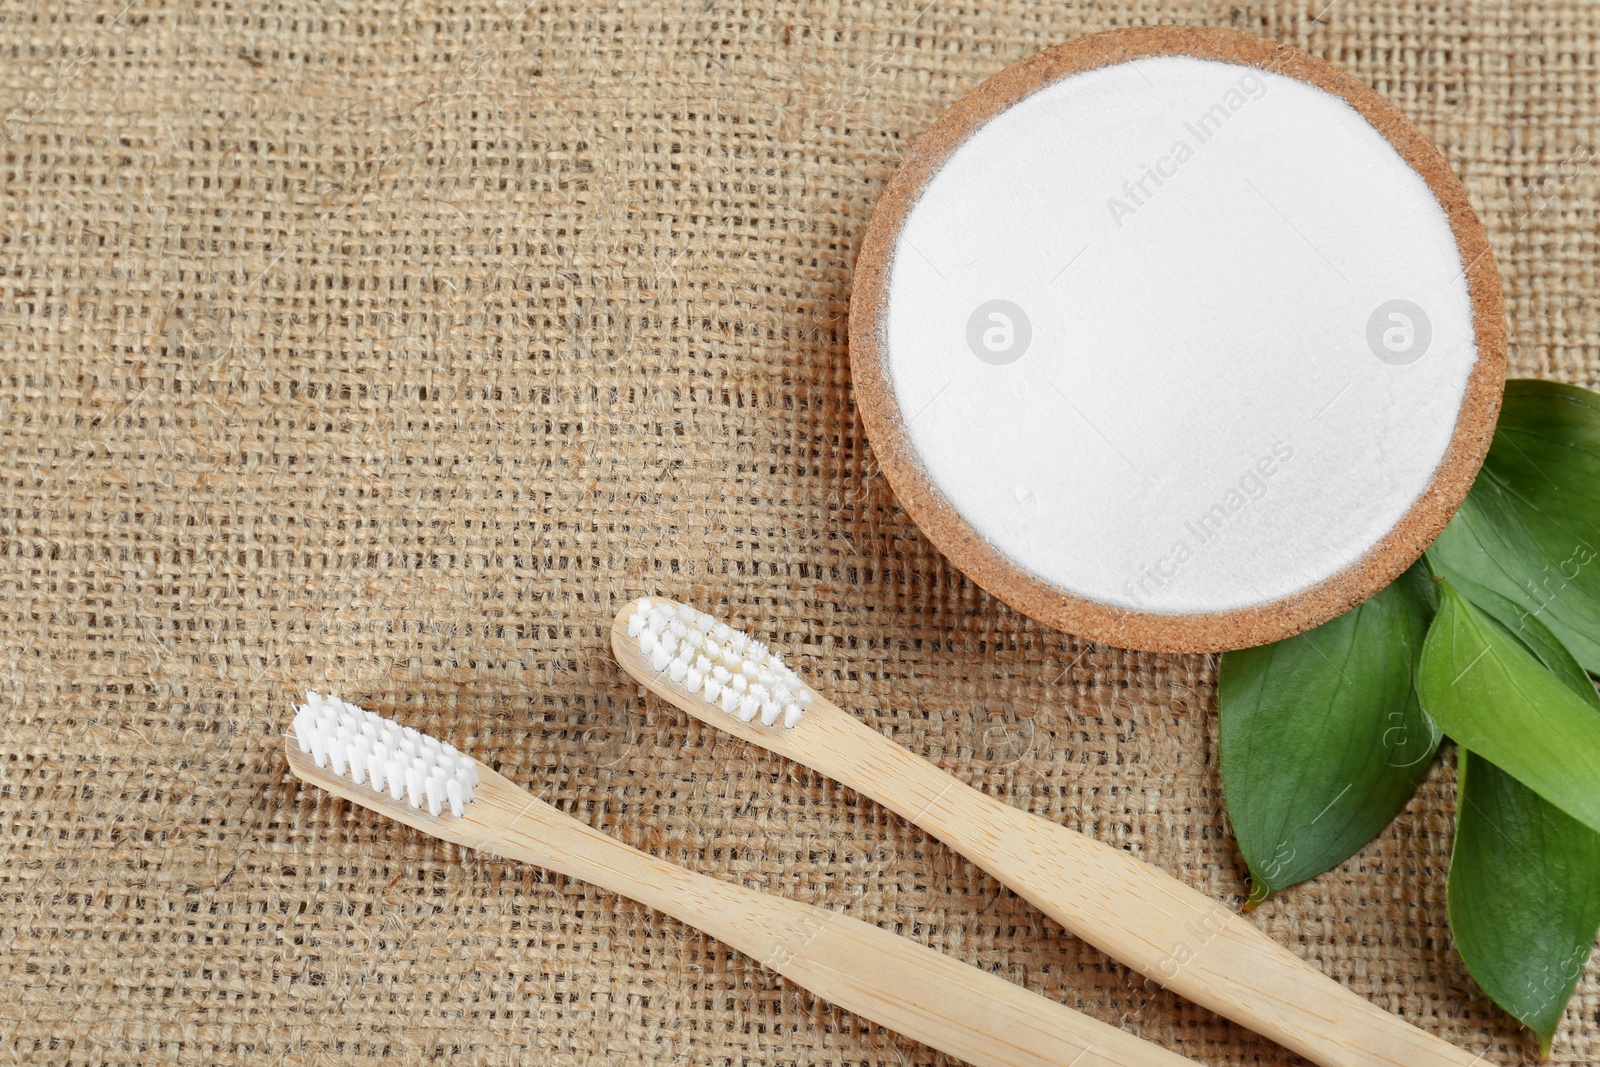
[1322, 740]
[1526, 629]
[1529, 530]
[1523, 893]
[1492, 695]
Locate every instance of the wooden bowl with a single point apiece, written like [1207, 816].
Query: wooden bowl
[1381, 475]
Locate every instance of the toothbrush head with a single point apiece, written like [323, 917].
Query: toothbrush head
[695, 654]
[367, 750]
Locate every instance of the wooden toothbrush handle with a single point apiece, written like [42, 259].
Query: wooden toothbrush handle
[925, 994]
[881, 976]
[1162, 928]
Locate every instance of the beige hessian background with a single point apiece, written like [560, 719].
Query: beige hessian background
[387, 346]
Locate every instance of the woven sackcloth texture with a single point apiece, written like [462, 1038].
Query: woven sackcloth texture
[388, 347]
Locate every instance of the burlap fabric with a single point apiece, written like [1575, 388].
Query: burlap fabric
[386, 347]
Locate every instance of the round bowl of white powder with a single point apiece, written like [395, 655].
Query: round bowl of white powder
[1179, 339]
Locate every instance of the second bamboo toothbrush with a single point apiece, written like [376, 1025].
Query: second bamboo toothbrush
[1129, 910]
[433, 787]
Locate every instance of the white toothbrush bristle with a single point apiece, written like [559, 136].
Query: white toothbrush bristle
[726, 667]
[380, 754]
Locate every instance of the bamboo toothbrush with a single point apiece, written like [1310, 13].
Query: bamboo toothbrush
[433, 787]
[1134, 913]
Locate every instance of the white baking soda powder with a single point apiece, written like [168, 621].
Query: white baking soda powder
[1179, 335]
